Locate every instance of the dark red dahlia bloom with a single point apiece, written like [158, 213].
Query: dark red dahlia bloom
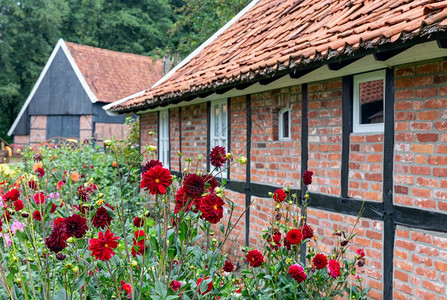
[279, 195]
[32, 185]
[307, 232]
[150, 165]
[39, 198]
[210, 182]
[334, 268]
[217, 156]
[185, 203]
[53, 208]
[228, 266]
[307, 177]
[294, 236]
[319, 261]
[211, 207]
[175, 285]
[102, 219]
[275, 242]
[56, 241]
[37, 216]
[102, 247]
[40, 172]
[76, 226]
[12, 195]
[297, 273]
[139, 243]
[18, 205]
[254, 258]
[156, 180]
[138, 222]
[209, 286]
[194, 186]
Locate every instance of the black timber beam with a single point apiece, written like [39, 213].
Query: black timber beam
[269, 80]
[335, 66]
[224, 90]
[243, 86]
[206, 94]
[442, 43]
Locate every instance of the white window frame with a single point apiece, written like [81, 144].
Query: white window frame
[358, 79]
[280, 124]
[221, 136]
[163, 138]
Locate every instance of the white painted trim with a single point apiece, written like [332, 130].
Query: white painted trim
[117, 102]
[280, 124]
[60, 44]
[161, 150]
[207, 42]
[357, 127]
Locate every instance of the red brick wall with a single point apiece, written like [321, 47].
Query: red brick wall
[174, 138]
[148, 124]
[38, 130]
[365, 166]
[420, 171]
[238, 127]
[194, 133]
[275, 161]
[325, 135]
[420, 264]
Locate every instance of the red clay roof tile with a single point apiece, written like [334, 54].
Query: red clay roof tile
[280, 34]
[113, 75]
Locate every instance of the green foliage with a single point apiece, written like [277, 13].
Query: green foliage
[199, 19]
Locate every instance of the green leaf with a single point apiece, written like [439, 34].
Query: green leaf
[60, 295]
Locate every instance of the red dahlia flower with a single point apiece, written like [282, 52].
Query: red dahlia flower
[334, 268]
[319, 261]
[37, 216]
[217, 156]
[53, 208]
[209, 287]
[211, 207]
[360, 253]
[138, 222]
[307, 232]
[183, 202]
[275, 241]
[126, 287]
[39, 198]
[254, 258]
[12, 195]
[228, 266]
[139, 241]
[175, 285]
[156, 180]
[56, 240]
[102, 218]
[150, 165]
[307, 177]
[32, 185]
[102, 247]
[297, 273]
[40, 172]
[210, 182]
[294, 236]
[279, 195]
[76, 226]
[18, 205]
[194, 186]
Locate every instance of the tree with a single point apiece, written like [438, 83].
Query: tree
[199, 19]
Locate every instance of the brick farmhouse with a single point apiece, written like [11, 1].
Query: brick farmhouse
[67, 99]
[355, 91]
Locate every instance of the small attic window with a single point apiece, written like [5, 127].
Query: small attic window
[368, 104]
[284, 124]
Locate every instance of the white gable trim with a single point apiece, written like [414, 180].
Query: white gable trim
[60, 44]
[108, 106]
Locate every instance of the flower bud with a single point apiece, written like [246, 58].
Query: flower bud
[18, 281]
[179, 153]
[228, 156]
[151, 133]
[70, 240]
[243, 160]
[199, 157]
[25, 214]
[76, 269]
[134, 263]
[107, 143]
[152, 148]
[15, 258]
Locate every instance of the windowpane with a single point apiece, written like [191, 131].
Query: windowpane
[371, 102]
[285, 124]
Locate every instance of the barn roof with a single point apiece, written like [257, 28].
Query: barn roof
[105, 75]
[112, 75]
[271, 38]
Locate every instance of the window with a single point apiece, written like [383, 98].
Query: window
[218, 126]
[284, 124]
[368, 106]
[163, 139]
